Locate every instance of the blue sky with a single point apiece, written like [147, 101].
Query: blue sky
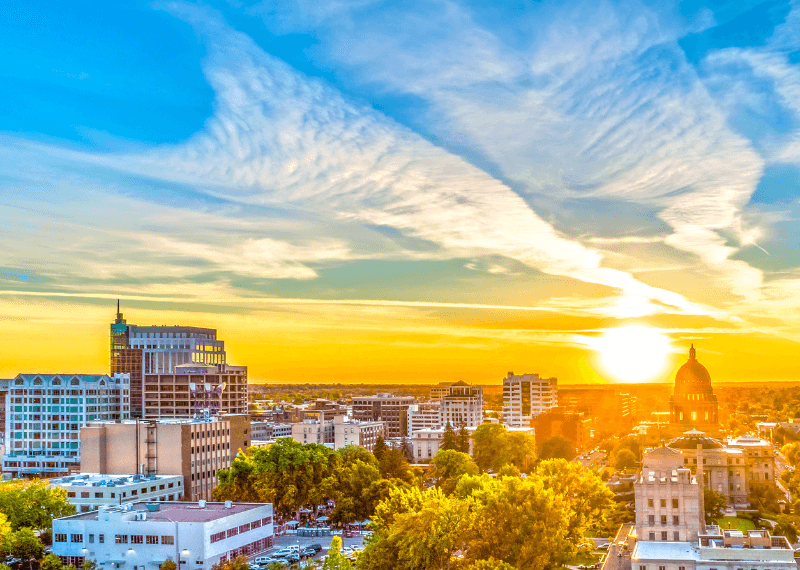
[339, 169]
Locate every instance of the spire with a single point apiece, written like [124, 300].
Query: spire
[117, 306]
[119, 320]
[692, 353]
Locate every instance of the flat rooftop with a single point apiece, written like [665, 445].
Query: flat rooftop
[99, 480]
[173, 512]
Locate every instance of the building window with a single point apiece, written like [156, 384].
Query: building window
[676, 536]
[675, 519]
[651, 519]
[652, 536]
[101, 538]
[91, 539]
[152, 539]
[60, 537]
[663, 519]
[674, 503]
[137, 539]
[662, 568]
[663, 503]
[167, 540]
[664, 536]
[121, 539]
[649, 502]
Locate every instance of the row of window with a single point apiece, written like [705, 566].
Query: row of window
[675, 503]
[118, 538]
[234, 531]
[113, 495]
[651, 519]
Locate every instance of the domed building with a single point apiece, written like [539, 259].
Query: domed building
[693, 402]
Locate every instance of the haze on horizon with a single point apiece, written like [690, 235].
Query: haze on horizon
[359, 192]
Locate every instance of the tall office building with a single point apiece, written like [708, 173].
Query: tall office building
[462, 406]
[46, 413]
[175, 357]
[525, 396]
[391, 409]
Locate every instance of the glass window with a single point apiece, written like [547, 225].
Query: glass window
[167, 540]
[152, 539]
[121, 539]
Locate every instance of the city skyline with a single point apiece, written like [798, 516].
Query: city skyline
[368, 194]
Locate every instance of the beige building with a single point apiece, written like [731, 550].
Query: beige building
[424, 415]
[758, 455]
[669, 500]
[195, 449]
[352, 432]
[463, 405]
[190, 389]
[525, 396]
[391, 409]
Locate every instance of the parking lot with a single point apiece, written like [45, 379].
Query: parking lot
[304, 541]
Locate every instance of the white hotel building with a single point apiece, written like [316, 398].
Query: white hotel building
[141, 536]
[45, 414]
[91, 491]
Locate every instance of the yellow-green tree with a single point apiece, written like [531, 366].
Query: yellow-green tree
[33, 504]
[448, 467]
[335, 560]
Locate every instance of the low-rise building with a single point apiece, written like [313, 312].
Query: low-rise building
[391, 409]
[352, 432]
[193, 448]
[91, 491]
[264, 431]
[141, 536]
[557, 421]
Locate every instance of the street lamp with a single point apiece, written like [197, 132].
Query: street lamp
[185, 553]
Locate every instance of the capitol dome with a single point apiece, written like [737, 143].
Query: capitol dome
[692, 377]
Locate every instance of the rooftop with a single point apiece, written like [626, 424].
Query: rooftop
[181, 512]
[98, 480]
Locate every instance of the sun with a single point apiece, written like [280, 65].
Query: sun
[632, 354]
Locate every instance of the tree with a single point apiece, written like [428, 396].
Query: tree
[380, 448]
[168, 565]
[791, 451]
[449, 440]
[785, 527]
[494, 446]
[238, 563]
[276, 566]
[448, 467]
[462, 441]
[624, 459]
[335, 559]
[557, 447]
[393, 465]
[33, 503]
[51, 562]
[23, 544]
[715, 503]
[764, 495]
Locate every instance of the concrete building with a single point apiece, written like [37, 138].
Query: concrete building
[425, 443]
[91, 491]
[525, 396]
[353, 432]
[758, 455]
[264, 431]
[693, 402]
[669, 500]
[195, 449]
[391, 409]
[192, 389]
[440, 390]
[314, 431]
[463, 405]
[141, 536]
[718, 550]
[151, 355]
[45, 413]
[425, 415]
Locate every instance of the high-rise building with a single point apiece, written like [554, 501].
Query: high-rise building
[424, 415]
[46, 413]
[167, 356]
[525, 396]
[195, 449]
[462, 406]
[391, 409]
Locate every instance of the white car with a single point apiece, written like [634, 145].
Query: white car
[347, 550]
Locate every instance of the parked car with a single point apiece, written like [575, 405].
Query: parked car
[308, 551]
[316, 547]
[291, 558]
[264, 560]
[283, 552]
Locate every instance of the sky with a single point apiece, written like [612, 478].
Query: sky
[370, 191]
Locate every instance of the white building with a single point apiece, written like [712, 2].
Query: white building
[141, 536]
[463, 405]
[352, 432]
[720, 550]
[314, 431]
[264, 431]
[90, 491]
[424, 416]
[45, 413]
[525, 396]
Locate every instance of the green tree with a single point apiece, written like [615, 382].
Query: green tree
[494, 446]
[348, 485]
[23, 544]
[393, 465]
[715, 503]
[624, 459]
[168, 565]
[448, 467]
[238, 563]
[335, 559]
[785, 527]
[586, 495]
[380, 448]
[51, 562]
[288, 474]
[557, 447]
[765, 495]
[462, 441]
[33, 503]
[449, 440]
[276, 566]
[791, 451]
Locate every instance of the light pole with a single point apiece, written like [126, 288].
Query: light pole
[185, 553]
